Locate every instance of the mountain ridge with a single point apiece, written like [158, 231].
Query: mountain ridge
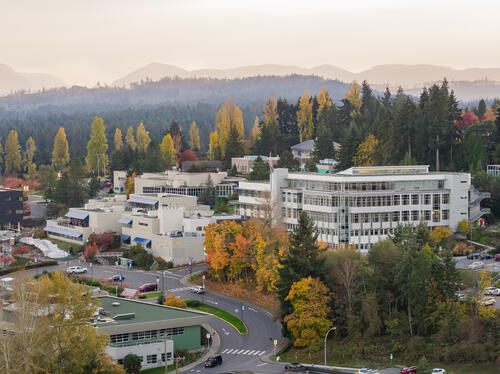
[13, 81]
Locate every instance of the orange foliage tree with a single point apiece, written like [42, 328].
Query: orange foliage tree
[90, 251]
[175, 302]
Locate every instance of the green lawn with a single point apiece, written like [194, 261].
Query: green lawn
[222, 314]
[160, 370]
[68, 247]
[153, 295]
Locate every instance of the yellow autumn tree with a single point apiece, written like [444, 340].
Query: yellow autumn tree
[60, 153]
[464, 227]
[309, 321]
[354, 96]
[367, 151]
[305, 117]
[143, 138]
[228, 115]
[117, 140]
[130, 185]
[440, 233]
[324, 100]
[255, 133]
[130, 138]
[194, 137]
[173, 301]
[167, 150]
[271, 110]
[213, 148]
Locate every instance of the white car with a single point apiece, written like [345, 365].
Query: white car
[198, 290]
[76, 270]
[492, 291]
[476, 265]
[488, 301]
[438, 371]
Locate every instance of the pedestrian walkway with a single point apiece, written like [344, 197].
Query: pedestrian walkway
[180, 289]
[247, 352]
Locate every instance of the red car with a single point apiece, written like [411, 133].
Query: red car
[408, 370]
[497, 257]
[148, 287]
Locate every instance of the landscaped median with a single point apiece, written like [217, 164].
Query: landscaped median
[222, 314]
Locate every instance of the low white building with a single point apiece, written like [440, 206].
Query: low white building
[362, 205]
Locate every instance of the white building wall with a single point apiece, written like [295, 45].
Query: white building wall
[143, 350]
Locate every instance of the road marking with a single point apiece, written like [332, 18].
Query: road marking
[198, 370]
[180, 289]
[211, 301]
[244, 353]
[224, 351]
[239, 352]
[260, 354]
[228, 352]
[251, 353]
[108, 271]
[225, 332]
[264, 363]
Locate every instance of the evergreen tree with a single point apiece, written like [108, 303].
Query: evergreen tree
[1, 154]
[12, 153]
[386, 99]
[303, 259]
[143, 138]
[194, 137]
[117, 140]
[175, 131]
[260, 170]
[210, 194]
[287, 124]
[234, 171]
[350, 142]
[269, 140]
[288, 161]
[310, 166]
[29, 153]
[97, 159]
[167, 150]
[154, 162]
[234, 146]
[481, 109]
[323, 146]
[130, 138]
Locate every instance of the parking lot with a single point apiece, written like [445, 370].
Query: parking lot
[489, 265]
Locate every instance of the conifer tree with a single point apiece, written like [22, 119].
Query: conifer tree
[194, 137]
[60, 153]
[130, 138]
[303, 259]
[154, 159]
[234, 145]
[12, 153]
[260, 170]
[118, 141]
[1, 154]
[143, 138]
[175, 130]
[167, 150]
[97, 159]
[305, 117]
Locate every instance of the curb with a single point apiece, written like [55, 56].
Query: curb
[214, 348]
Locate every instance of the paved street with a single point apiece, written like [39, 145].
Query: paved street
[490, 265]
[37, 210]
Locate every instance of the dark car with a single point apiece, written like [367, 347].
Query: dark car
[148, 287]
[116, 278]
[486, 256]
[294, 367]
[497, 257]
[213, 361]
[473, 256]
[408, 370]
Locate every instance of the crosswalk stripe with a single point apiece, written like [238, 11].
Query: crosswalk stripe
[251, 353]
[228, 352]
[260, 354]
[256, 353]
[224, 351]
[179, 289]
[244, 353]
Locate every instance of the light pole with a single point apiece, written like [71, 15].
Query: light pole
[326, 336]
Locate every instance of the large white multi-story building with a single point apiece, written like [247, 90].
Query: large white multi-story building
[362, 205]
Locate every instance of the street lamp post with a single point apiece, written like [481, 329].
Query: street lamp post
[326, 336]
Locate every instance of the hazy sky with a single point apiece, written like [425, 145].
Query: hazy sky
[85, 41]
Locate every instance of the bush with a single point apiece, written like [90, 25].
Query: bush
[193, 303]
[41, 235]
[485, 240]
[132, 364]
[462, 249]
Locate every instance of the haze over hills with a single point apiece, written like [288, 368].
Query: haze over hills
[407, 76]
[12, 81]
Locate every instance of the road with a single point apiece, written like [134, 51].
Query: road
[490, 265]
[37, 210]
[239, 352]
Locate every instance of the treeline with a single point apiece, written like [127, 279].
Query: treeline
[399, 299]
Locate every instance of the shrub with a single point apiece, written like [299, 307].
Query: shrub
[132, 364]
[175, 302]
[462, 249]
[485, 240]
[193, 303]
[41, 234]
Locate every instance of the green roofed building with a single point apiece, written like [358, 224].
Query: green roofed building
[150, 331]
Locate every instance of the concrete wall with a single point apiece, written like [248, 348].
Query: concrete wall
[143, 350]
[178, 250]
[119, 179]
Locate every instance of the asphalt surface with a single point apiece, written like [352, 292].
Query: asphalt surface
[489, 265]
[37, 210]
[239, 352]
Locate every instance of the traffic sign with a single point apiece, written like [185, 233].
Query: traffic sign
[275, 342]
[243, 307]
[164, 273]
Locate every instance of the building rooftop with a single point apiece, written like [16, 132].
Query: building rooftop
[134, 311]
[308, 145]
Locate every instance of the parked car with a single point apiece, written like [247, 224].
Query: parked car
[408, 370]
[438, 371]
[116, 278]
[365, 371]
[148, 287]
[294, 367]
[213, 361]
[488, 301]
[473, 256]
[497, 257]
[76, 270]
[198, 289]
[476, 265]
[176, 234]
[492, 291]
[485, 256]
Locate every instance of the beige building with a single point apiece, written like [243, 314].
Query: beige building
[244, 165]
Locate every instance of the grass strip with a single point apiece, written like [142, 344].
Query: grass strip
[222, 314]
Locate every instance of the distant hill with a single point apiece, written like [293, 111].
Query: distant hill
[12, 81]
[407, 76]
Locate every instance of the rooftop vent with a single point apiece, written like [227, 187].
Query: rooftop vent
[124, 316]
[116, 303]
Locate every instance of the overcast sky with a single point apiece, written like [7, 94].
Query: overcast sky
[85, 41]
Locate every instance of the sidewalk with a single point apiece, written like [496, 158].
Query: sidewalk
[214, 348]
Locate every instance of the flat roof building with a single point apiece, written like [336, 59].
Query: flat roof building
[362, 205]
[11, 208]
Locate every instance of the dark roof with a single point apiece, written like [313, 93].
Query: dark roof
[308, 145]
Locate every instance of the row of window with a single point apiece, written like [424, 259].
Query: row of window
[369, 201]
[366, 186]
[151, 359]
[220, 190]
[9, 211]
[141, 335]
